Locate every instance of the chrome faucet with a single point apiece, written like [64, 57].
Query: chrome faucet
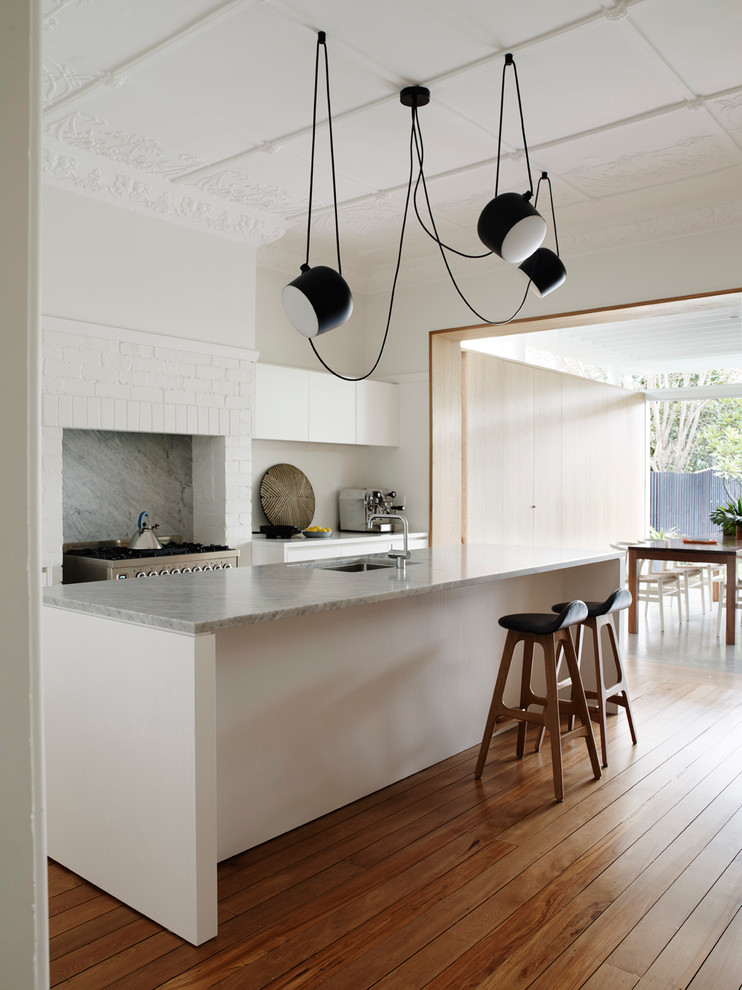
[400, 557]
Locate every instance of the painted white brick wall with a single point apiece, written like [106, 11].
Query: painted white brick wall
[109, 378]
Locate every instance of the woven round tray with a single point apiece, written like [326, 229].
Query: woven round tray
[287, 496]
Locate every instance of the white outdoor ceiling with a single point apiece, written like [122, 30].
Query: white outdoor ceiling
[199, 111]
[698, 335]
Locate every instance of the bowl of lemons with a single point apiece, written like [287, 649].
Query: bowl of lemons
[317, 532]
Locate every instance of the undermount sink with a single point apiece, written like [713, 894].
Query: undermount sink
[354, 566]
[358, 565]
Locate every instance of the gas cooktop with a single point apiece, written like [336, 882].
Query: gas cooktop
[124, 553]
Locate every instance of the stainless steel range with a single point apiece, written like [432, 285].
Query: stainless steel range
[112, 561]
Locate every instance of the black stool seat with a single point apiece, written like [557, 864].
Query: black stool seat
[599, 617]
[619, 599]
[543, 623]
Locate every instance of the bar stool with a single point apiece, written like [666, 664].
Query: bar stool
[551, 633]
[599, 617]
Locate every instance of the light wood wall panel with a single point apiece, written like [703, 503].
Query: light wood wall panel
[550, 459]
[447, 511]
[548, 481]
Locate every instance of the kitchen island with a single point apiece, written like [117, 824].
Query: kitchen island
[191, 717]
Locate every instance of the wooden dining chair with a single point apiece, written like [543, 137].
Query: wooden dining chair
[691, 576]
[653, 586]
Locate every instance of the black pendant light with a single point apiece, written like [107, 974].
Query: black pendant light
[319, 299]
[544, 268]
[509, 224]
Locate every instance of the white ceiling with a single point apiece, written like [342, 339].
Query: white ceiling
[199, 111]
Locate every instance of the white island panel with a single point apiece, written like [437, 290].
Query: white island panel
[131, 764]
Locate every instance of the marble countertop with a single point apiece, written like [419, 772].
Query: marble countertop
[200, 603]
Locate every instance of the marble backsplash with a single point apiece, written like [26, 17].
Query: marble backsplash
[108, 478]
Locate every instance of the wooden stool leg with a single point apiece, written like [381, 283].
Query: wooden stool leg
[497, 695]
[562, 683]
[621, 696]
[551, 714]
[525, 694]
[581, 703]
[596, 625]
[579, 632]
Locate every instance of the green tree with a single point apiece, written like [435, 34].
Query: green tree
[722, 439]
[695, 434]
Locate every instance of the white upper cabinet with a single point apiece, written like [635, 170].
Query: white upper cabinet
[280, 403]
[377, 413]
[332, 409]
[297, 404]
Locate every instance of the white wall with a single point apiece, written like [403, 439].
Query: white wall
[23, 925]
[328, 467]
[107, 265]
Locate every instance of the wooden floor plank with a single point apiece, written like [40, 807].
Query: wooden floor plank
[658, 927]
[722, 969]
[590, 927]
[609, 977]
[687, 950]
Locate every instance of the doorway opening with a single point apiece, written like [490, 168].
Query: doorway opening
[615, 348]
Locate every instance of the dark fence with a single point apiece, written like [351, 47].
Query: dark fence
[683, 501]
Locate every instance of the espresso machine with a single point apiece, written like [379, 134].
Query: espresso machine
[357, 505]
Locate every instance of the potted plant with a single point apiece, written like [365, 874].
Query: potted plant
[729, 517]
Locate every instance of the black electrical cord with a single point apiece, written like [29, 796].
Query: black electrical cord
[421, 182]
[360, 378]
[510, 61]
[321, 44]
[545, 178]
[442, 247]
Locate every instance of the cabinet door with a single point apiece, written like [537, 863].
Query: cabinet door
[377, 413]
[281, 403]
[332, 409]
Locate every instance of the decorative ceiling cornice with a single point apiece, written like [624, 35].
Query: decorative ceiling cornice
[60, 79]
[81, 151]
[51, 17]
[688, 157]
[88, 132]
[117, 182]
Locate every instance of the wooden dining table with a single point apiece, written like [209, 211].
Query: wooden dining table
[723, 551]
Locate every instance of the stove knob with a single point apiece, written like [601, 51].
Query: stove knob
[175, 570]
[164, 572]
[186, 570]
[152, 574]
[217, 567]
[196, 569]
[207, 567]
[140, 574]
